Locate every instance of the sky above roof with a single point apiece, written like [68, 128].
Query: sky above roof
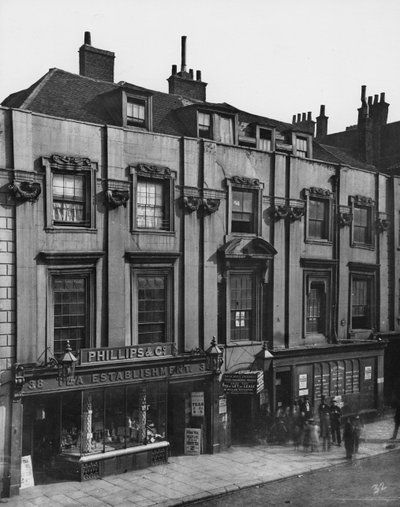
[267, 57]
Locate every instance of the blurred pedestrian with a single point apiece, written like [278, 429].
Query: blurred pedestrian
[396, 423]
[314, 435]
[348, 437]
[358, 430]
[306, 436]
[336, 416]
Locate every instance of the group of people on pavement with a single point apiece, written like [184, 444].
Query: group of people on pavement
[298, 424]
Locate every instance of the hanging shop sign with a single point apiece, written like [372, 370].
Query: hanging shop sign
[38, 385]
[109, 355]
[245, 382]
[192, 441]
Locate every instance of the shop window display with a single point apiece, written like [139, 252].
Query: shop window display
[116, 418]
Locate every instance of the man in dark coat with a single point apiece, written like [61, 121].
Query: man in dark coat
[348, 437]
[336, 415]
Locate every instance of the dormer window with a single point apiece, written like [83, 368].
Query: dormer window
[301, 147]
[264, 139]
[204, 125]
[136, 112]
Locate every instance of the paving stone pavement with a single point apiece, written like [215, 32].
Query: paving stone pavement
[186, 479]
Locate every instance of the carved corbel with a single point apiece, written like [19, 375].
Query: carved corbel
[281, 211]
[382, 224]
[115, 198]
[345, 218]
[210, 206]
[191, 203]
[296, 212]
[25, 190]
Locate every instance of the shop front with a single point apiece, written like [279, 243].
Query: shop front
[352, 373]
[111, 414]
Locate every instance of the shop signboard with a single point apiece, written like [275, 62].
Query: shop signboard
[192, 441]
[26, 472]
[245, 382]
[198, 404]
[117, 354]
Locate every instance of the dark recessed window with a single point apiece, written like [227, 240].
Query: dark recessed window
[265, 141]
[315, 318]
[205, 125]
[361, 296]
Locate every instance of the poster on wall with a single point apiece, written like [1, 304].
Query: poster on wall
[192, 441]
[368, 373]
[197, 404]
[303, 381]
[26, 472]
[222, 408]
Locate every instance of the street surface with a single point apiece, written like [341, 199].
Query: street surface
[366, 482]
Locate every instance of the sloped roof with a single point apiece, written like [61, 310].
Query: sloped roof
[335, 155]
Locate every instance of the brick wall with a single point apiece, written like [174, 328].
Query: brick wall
[7, 280]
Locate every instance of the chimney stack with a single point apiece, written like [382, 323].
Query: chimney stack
[322, 123]
[304, 122]
[183, 82]
[95, 63]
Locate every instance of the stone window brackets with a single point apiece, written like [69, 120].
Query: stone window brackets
[25, 190]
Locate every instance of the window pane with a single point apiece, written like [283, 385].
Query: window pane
[226, 129]
[242, 211]
[69, 204]
[318, 216]
[242, 306]
[315, 318]
[150, 212]
[362, 225]
[136, 112]
[361, 303]
[69, 313]
[152, 308]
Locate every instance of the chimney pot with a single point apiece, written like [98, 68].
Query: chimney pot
[191, 73]
[294, 119]
[309, 116]
[383, 97]
[87, 39]
[363, 93]
[174, 70]
[183, 53]
[304, 117]
[376, 99]
[322, 110]
[198, 75]
[298, 117]
[370, 100]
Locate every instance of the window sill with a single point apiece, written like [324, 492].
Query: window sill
[153, 231]
[363, 246]
[315, 241]
[240, 343]
[111, 454]
[69, 229]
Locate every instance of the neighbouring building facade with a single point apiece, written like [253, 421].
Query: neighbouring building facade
[135, 227]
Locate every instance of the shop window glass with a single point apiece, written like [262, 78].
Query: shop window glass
[71, 423]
